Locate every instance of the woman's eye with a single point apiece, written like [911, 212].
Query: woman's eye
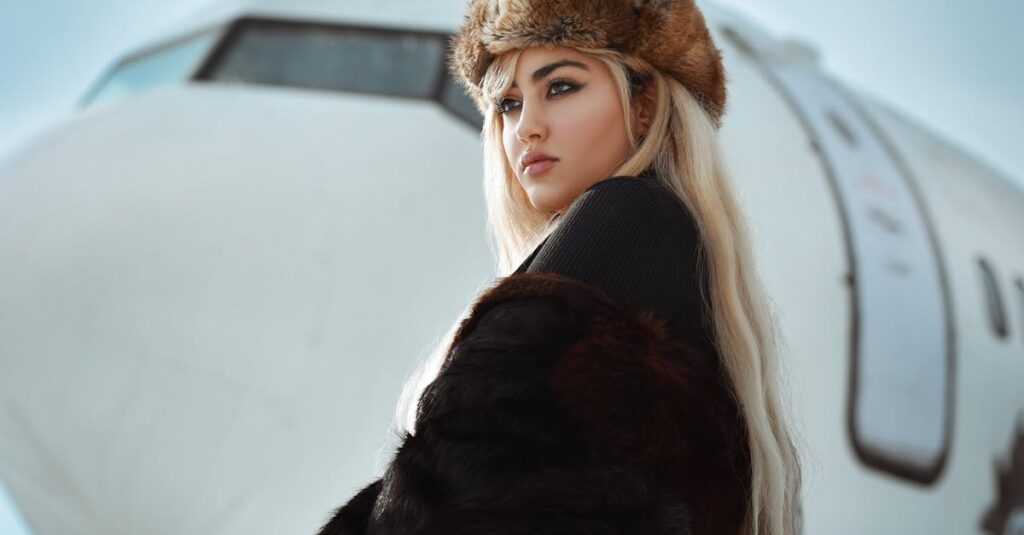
[568, 87]
[501, 105]
[558, 83]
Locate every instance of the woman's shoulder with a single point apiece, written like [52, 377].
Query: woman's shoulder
[627, 238]
[643, 199]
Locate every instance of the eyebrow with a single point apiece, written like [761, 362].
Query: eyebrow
[545, 70]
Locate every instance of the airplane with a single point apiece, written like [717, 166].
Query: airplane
[203, 266]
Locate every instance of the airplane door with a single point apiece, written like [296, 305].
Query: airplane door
[899, 413]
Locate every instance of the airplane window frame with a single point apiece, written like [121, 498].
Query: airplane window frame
[994, 303]
[213, 32]
[446, 93]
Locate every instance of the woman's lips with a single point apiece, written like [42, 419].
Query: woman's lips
[537, 168]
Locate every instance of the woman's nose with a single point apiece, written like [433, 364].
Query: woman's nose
[532, 123]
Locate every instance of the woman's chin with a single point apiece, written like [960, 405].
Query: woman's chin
[545, 202]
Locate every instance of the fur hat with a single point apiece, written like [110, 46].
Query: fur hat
[669, 34]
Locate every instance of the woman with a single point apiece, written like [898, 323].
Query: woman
[622, 377]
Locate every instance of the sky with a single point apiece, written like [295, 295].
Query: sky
[953, 66]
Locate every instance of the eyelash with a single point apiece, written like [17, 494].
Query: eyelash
[571, 87]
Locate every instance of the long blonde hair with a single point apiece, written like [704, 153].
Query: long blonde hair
[681, 147]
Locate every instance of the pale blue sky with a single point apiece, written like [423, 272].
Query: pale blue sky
[955, 66]
[952, 65]
[11, 523]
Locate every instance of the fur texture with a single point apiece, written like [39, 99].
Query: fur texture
[670, 34]
[561, 411]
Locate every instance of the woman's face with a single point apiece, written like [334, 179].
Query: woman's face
[564, 104]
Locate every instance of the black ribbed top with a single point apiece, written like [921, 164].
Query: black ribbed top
[633, 238]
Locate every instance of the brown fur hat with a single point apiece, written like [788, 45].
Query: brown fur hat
[669, 34]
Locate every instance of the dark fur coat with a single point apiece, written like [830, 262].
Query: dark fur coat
[561, 411]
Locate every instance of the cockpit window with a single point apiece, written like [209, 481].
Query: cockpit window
[323, 57]
[355, 59]
[165, 65]
[455, 100]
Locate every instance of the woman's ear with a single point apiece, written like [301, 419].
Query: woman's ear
[643, 109]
